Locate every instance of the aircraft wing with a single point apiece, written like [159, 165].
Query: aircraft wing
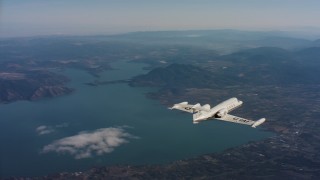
[191, 108]
[236, 119]
[184, 106]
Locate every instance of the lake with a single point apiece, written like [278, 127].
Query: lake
[134, 129]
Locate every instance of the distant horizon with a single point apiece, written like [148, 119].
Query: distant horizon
[20, 18]
[303, 33]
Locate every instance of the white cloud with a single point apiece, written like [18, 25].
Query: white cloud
[41, 130]
[88, 144]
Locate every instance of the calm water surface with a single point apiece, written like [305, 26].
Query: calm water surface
[164, 135]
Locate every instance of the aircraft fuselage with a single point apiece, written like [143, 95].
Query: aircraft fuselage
[219, 110]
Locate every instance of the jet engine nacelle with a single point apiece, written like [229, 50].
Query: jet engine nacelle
[222, 112]
[206, 107]
[259, 122]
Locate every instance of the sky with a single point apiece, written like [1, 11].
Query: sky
[88, 17]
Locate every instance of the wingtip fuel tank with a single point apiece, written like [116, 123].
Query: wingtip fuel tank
[258, 122]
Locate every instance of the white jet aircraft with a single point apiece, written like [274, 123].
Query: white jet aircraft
[220, 112]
